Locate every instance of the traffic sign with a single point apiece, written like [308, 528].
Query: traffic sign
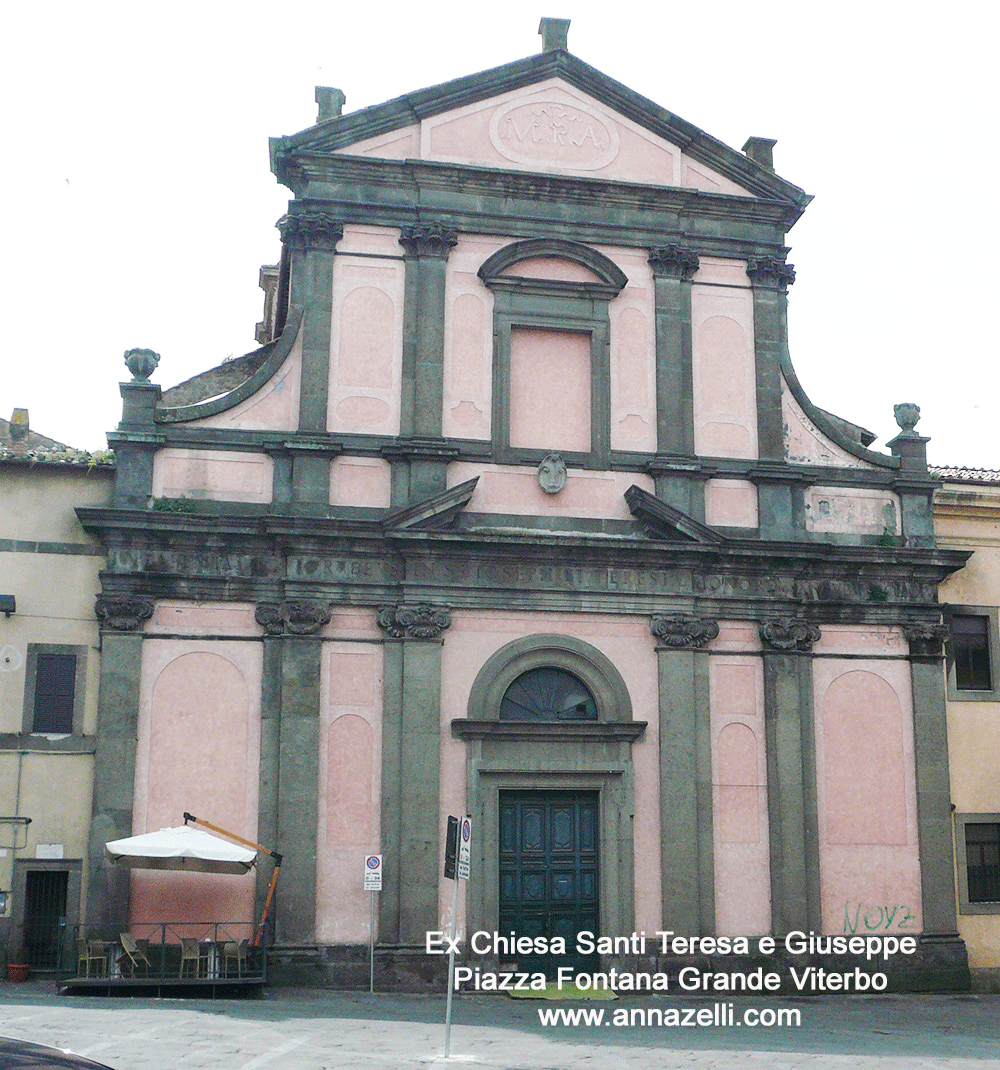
[464, 849]
[373, 873]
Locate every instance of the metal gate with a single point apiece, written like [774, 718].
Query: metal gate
[549, 871]
[44, 917]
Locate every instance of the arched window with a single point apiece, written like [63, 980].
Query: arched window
[547, 694]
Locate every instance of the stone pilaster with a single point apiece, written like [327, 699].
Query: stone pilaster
[673, 268]
[411, 755]
[310, 237]
[426, 246]
[270, 764]
[686, 836]
[930, 741]
[791, 775]
[915, 486]
[298, 624]
[114, 759]
[770, 279]
[135, 443]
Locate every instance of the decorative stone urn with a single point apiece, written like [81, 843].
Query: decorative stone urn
[141, 363]
[907, 414]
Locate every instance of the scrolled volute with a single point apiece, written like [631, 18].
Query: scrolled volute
[789, 634]
[311, 230]
[414, 621]
[683, 632]
[122, 613]
[293, 617]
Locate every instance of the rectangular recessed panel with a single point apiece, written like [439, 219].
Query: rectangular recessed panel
[550, 389]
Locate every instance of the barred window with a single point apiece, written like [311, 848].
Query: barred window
[547, 695]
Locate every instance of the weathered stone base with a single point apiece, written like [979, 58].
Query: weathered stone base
[986, 980]
[343, 966]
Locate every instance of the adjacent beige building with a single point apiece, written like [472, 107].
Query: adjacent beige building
[967, 517]
[49, 673]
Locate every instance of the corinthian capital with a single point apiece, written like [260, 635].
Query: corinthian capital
[122, 614]
[770, 272]
[311, 230]
[428, 239]
[295, 617]
[673, 261]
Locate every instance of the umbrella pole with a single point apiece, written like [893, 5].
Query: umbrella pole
[278, 859]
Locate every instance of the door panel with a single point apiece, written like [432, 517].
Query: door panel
[548, 877]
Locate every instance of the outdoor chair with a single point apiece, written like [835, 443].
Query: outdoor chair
[233, 951]
[91, 951]
[134, 955]
[190, 954]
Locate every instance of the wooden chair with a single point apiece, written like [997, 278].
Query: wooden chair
[234, 951]
[190, 953]
[134, 955]
[91, 951]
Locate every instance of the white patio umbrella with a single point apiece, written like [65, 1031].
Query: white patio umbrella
[183, 848]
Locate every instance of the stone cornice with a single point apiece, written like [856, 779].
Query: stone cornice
[559, 731]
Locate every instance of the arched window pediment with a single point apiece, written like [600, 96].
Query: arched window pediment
[608, 277]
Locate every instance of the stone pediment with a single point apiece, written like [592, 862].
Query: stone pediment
[433, 513]
[550, 113]
[664, 523]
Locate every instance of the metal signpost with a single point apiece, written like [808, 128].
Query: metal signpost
[373, 884]
[457, 859]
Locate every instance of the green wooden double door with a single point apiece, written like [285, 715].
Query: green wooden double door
[549, 876]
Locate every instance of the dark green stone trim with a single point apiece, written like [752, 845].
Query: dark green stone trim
[390, 899]
[674, 389]
[268, 773]
[28, 743]
[559, 248]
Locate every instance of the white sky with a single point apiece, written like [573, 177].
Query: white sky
[138, 205]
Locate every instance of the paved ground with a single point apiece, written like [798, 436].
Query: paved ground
[309, 1030]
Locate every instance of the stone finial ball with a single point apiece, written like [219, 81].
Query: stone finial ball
[141, 363]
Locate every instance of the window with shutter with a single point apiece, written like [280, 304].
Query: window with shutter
[55, 688]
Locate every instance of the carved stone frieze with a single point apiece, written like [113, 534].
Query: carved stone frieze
[294, 617]
[122, 614]
[769, 271]
[673, 261]
[311, 230]
[683, 632]
[789, 634]
[428, 239]
[925, 638]
[416, 621]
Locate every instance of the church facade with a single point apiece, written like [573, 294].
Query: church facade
[520, 511]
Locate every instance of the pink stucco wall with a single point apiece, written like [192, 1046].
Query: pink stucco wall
[633, 354]
[723, 369]
[805, 443]
[474, 636]
[739, 784]
[866, 784]
[275, 407]
[216, 474]
[468, 340]
[731, 503]
[514, 489]
[367, 335]
[856, 511]
[198, 750]
[360, 481]
[550, 267]
[550, 378]
[349, 774]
